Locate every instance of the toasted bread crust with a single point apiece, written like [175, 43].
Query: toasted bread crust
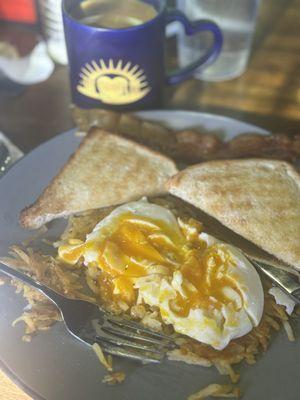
[258, 199]
[105, 170]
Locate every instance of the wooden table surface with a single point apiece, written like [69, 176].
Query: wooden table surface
[268, 94]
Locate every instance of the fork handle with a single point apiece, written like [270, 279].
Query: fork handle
[55, 297]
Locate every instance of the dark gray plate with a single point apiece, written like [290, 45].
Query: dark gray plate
[54, 366]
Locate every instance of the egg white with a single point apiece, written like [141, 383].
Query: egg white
[214, 327]
[283, 299]
[140, 208]
[210, 326]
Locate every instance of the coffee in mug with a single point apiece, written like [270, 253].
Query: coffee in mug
[114, 14]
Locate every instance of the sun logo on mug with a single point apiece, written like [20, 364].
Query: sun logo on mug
[122, 83]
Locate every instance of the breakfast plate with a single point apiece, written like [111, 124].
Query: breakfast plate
[53, 366]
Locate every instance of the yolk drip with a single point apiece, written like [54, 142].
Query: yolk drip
[139, 246]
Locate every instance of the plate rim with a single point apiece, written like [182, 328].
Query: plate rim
[17, 380]
[14, 378]
[204, 114]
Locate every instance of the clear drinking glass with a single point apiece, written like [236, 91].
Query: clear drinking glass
[237, 19]
[52, 25]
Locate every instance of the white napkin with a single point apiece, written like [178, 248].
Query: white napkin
[34, 68]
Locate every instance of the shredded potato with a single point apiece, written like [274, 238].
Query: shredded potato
[106, 362]
[83, 283]
[114, 378]
[289, 331]
[226, 369]
[41, 314]
[216, 390]
[3, 280]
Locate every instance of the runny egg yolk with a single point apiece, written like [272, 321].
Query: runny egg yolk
[133, 246]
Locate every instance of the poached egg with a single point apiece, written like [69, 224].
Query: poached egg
[204, 288]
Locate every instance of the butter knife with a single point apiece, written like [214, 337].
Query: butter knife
[281, 278]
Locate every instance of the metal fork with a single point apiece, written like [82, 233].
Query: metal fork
[90, 324]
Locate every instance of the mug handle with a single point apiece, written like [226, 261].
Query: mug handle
[192, 27]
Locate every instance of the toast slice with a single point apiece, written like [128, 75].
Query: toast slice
[258, 199]
[104, 171]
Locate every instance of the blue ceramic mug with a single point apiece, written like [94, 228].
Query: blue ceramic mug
[124, 69]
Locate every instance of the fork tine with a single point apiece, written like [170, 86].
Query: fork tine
[124, 323]
[118, 341]
[115, 329]
[131, 354]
